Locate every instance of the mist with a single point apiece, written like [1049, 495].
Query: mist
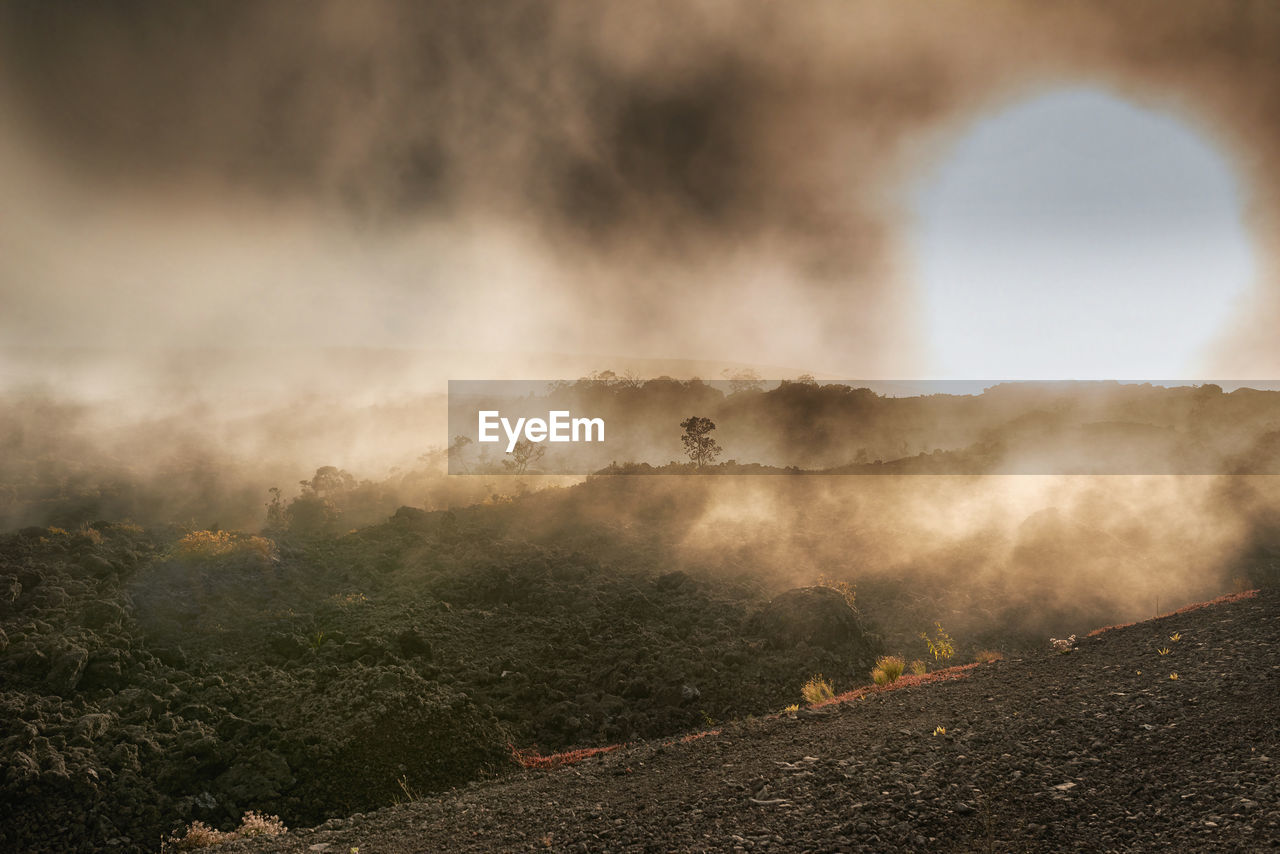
[272, 234]
[701, 183]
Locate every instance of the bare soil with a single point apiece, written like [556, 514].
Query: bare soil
[1098, 749]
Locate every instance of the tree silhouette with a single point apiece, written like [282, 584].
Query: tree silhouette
[524, 453]
[700, 447]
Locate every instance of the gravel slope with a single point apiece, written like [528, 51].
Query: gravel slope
[1094, 750]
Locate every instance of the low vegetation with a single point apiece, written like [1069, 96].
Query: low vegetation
[205, 546]
[888, 669]
[200, 835]
[941, 646]
[817, 690]
[1063, 644]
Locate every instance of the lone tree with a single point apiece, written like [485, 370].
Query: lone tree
[700, 447]
[523, 455]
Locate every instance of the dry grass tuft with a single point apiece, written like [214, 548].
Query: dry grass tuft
[817, 690]
[888, 669]
[209, 545]
[907, 681]
[200, 835]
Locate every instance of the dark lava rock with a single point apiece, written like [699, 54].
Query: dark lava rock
[102, 613]
[1046, 753]
[410, 514]
[259, 778]
[67, 669]
[367, 717]
[818, 616]
[173, 656]
[671, 580]
[286, 646]
[97, 565]
[412, 644]
[10, 588]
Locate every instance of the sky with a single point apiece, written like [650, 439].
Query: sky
[855, 189]
[1077, 236]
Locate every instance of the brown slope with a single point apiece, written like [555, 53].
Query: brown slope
[1095, 750]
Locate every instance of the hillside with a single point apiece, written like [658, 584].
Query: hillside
[156, 677]
[1096, 750]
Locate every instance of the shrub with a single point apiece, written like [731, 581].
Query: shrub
[200, 835]
[817, 689]
[257, 824]
[918, 667]
[844, 588]
[203, 546]
[92, 534]
[197, 835]
[887, 670]
[987, 656]
[941, 646]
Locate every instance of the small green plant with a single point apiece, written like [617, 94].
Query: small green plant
[986, 656]
[1175, 637]
[939, 730]
[791, 709]
[817, 689]
[941, 646]
[317, 640]
[919, 668]
[887, 670]
[1164, 650]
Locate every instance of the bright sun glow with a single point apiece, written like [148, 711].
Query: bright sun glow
[1078, 236]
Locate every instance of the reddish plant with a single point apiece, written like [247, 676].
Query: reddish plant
[907, 680]
[1221, 600]
[530, 758]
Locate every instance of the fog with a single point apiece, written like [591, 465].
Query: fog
[697, 182]
[267, 235]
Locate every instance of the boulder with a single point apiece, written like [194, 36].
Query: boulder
[412, 644]
[68, 667]
[409, 514]
[818, 616]
[97, 565]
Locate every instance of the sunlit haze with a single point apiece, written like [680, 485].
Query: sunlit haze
[1077, 235]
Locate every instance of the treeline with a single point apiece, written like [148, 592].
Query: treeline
[1066, 427]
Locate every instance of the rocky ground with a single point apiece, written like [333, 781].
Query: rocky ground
[149, 679]
[1097, 749]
